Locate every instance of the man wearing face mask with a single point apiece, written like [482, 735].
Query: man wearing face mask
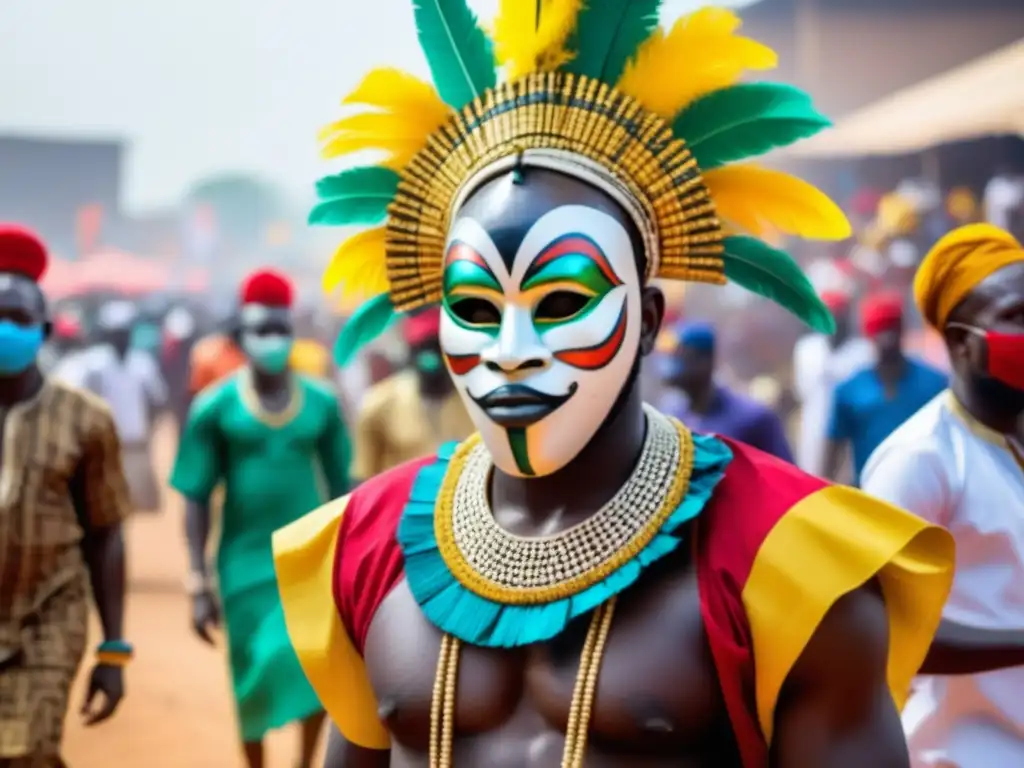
[63, 498]
[711, 407]
[959, 462]
[276, 441]
[585, 581]
[873, 402]
[412, 412]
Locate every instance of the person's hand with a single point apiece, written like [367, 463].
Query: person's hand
[205, 615]
[107, 680]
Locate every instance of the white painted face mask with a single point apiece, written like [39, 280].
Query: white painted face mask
[268, 352]
[541, 352]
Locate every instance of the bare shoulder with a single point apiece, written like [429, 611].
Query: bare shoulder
[850, 646]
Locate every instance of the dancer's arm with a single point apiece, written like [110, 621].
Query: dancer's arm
[835, 710]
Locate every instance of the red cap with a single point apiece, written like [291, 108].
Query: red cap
[269, 288]
[881, 312]
[65, 327]
[836, 301]
[22, 252]
[422, 326]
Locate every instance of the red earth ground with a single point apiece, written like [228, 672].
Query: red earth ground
[177, 712]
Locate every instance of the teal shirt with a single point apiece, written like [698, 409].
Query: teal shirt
[275, 469]
[864, 414]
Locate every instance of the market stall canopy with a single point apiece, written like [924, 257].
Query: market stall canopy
[982, 98]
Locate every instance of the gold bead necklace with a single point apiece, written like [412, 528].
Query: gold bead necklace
[442, 705]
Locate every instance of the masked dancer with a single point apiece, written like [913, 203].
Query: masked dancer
[63, 497]
[277, 442]
[959, 462]
[585, 581]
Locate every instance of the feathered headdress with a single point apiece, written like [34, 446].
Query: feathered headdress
[653, 117]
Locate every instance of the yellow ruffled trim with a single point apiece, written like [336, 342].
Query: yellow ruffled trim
[829, 544]
[304, 555]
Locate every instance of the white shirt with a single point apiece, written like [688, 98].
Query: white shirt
[129, 385]
[944, 466]
[817, 370]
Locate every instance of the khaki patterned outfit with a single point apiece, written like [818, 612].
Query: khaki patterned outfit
[397, 424]
[60, 443]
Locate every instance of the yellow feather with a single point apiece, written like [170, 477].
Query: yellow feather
[358, 266]
[700, 54]
[760, 200]
[396, 91]
[407, 112]
[522, 46]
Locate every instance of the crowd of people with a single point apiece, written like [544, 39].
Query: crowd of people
[496, 552]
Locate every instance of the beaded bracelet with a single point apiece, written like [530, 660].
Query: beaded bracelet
[115, 653]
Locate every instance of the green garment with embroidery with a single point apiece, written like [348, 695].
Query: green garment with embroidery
[275, 469]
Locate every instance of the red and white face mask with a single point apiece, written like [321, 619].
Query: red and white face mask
[1005, 354]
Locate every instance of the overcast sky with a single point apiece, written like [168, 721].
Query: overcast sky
[200, 86]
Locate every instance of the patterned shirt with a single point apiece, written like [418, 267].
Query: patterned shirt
[58, 445]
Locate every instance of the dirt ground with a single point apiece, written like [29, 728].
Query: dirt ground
[177, 711]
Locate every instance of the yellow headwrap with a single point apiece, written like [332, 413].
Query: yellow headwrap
[957, 263]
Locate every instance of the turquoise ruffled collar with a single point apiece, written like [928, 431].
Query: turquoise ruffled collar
[478, 621]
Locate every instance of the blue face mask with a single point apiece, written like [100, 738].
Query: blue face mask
[269, 353]
[19, 346]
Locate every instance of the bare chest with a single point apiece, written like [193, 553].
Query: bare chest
[657, 696]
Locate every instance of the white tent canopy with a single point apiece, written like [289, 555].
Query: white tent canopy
[982, 98]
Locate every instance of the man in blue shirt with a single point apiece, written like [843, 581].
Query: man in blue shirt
[872, 403]
[711, 407]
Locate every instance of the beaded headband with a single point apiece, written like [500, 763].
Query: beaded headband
[654, 118]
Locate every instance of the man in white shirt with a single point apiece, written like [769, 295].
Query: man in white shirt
[959, 462]
[820, 363]
[129, 380]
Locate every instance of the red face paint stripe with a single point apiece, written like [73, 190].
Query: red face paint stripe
[599, 356]
[575, 244]
[460, 365]
[459, 251]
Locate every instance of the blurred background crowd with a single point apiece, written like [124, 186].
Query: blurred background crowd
[164, 150]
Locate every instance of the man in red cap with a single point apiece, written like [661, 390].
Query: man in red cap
[63, 497]
[276, 441]
[820, 362]
[411, 412]
[869, 405]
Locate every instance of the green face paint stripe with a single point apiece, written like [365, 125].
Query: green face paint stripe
[574, 268]
[462, 253]
[468, 274]
[573, 243]
[517, 442]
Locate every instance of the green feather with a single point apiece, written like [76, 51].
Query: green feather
[773, 274]
[608, 33]
[366, 324]
[459, 52]
[356, 196]
[746, 120]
